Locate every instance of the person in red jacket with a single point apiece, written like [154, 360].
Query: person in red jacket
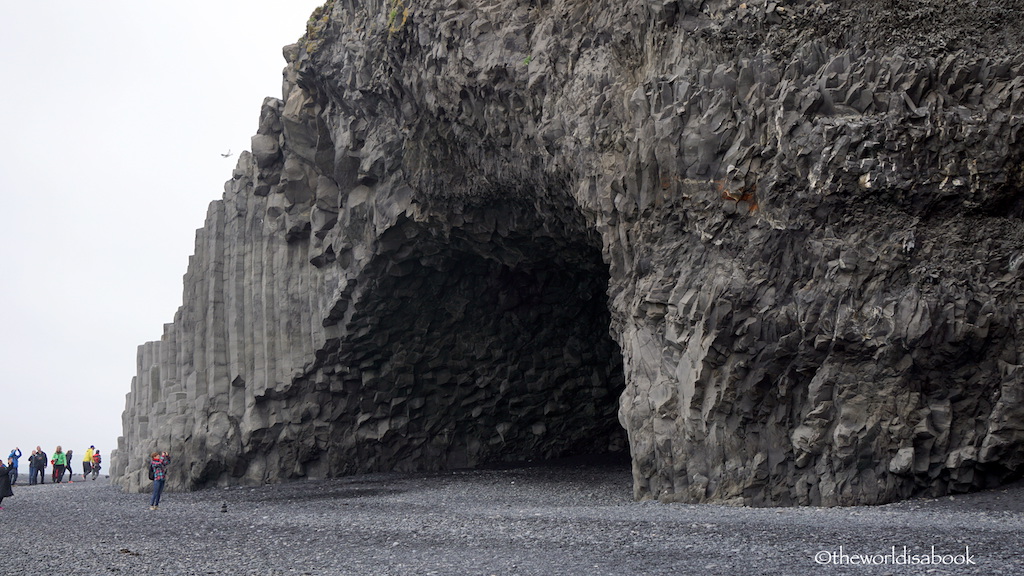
[96, 460]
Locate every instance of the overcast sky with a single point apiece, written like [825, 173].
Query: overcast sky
[114, 115]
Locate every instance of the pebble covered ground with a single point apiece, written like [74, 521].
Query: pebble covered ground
[544, 520]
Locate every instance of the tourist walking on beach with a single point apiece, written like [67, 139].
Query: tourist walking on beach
[71, 474]
[38, 461]
[96, 460]
[32, 467]
[87, 463]
[15, 454]
[60, 461]
[158, 466]
[5, 484]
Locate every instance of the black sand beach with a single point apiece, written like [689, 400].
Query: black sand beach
[566, 519]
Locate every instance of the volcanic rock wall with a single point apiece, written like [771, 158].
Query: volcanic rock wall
[800, 222]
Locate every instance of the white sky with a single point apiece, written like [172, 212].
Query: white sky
[113, 118]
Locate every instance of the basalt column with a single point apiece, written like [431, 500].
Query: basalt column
[799, 221]
[331, 329]
[491, 345]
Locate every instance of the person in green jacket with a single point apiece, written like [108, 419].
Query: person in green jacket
[60, 462]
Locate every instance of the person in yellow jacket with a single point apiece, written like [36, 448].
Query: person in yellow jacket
[60, 462]
[87, 463]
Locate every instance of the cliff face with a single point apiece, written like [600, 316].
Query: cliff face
[779, 244]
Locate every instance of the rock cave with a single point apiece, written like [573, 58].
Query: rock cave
[477, 348]
[772, 251]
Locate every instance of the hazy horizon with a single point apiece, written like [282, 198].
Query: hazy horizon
[116, 116]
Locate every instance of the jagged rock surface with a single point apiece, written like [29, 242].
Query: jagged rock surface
[801, 221]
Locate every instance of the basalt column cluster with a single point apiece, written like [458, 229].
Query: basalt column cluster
[772, 249]
[332, 329]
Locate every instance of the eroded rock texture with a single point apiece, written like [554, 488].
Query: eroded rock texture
[800, 222]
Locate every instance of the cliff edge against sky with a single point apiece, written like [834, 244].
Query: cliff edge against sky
[771, 250]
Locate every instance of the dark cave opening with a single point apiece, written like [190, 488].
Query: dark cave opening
[474, 354]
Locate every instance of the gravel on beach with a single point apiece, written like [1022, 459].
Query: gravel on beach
[561, 519]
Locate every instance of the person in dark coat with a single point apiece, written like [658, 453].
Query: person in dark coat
[40, 461]
[5, 484]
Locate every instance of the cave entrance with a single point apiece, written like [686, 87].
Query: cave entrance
[485, 343]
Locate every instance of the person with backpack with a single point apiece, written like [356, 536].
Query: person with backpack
[158, 462]
[96, 460]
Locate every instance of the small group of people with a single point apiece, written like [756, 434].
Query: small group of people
[92, 463]
[61, 462]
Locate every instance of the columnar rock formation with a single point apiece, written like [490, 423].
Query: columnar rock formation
[781, 241]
